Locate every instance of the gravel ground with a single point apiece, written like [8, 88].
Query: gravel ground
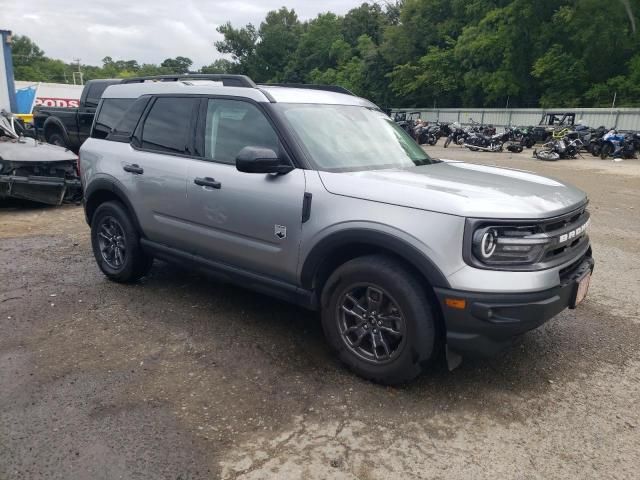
[180, 377]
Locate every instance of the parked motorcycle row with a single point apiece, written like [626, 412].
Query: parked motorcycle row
[563, 142]
[599, 142]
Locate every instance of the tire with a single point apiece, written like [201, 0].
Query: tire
[111, 219]
[515, 148]
[606, 150]
[379, 282]
[56, 138]
[529, 142]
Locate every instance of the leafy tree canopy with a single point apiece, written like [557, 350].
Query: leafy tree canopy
[449, 53]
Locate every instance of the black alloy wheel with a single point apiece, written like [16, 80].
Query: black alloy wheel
[371, 323]
[112, 242]
[115, 241]
[379, 319]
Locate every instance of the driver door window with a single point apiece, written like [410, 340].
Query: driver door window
[232, 125]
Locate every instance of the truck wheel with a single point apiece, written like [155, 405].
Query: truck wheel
[378, 319]
[116, 244]
[56, 138]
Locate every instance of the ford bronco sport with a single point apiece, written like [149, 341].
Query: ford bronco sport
[319, 198]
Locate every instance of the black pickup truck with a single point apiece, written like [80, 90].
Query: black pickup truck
[69, 127]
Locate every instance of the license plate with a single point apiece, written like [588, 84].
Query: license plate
[583, 288]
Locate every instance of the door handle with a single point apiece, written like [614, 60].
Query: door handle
[207, 182]
[135, 168]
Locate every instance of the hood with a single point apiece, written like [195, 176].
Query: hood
[459, 188]
[29, 150]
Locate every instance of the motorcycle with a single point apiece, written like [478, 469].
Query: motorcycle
[433, 133]
[562, 145]
[493, 143]
[457, 135]
[596, 141]
[619, 145]
[525, 136]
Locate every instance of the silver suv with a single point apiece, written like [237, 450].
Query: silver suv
[317, 197]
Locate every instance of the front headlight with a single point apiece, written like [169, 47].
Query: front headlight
[523, 245]
[508, 245]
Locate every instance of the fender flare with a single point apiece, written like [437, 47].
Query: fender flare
[58, 125]
[102, 185]
[383, 240]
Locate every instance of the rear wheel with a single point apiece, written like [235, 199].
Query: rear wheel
[377, 317]
[116, 244]
[56, 138]
[606, 150]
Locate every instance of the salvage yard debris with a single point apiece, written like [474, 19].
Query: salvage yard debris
[31, 170]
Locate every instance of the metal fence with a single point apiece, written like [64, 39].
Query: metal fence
[620, 118]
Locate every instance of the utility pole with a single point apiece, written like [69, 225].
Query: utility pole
[78, 73]
[613, 105]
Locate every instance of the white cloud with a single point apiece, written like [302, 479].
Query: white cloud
[145, 30]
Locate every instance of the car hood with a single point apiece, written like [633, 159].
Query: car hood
[30, 150]
[460, 188]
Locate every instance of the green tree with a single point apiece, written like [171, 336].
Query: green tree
[177, 65]
[222, 65]
[562, 76]
[278, 39]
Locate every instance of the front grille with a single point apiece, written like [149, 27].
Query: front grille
[558, 251]
[559, 223]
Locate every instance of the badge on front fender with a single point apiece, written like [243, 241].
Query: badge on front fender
[280, 231]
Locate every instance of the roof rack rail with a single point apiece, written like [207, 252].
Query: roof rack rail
[227, 80]
[313, 86]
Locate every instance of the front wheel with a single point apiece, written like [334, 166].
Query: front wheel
[116, 244]
[377, 317]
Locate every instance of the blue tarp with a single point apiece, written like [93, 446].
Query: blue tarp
[24, 98]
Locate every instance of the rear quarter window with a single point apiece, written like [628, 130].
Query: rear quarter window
[109, 114]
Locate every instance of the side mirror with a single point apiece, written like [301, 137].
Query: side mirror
[261, 160]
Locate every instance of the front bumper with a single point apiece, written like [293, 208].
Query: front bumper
[490, 322]
[49, 190]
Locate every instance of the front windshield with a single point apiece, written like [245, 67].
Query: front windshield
[340, 138]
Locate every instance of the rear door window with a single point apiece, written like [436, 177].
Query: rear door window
[110, 113]
[169, 126]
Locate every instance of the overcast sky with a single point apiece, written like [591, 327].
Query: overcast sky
[145, 30]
